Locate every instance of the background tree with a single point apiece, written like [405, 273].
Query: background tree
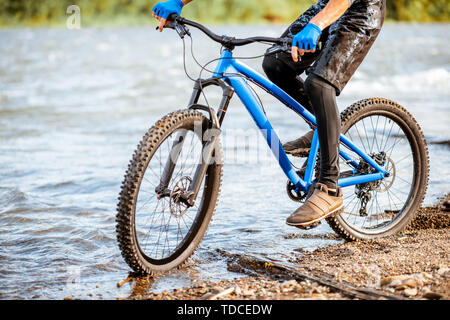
[42, 12]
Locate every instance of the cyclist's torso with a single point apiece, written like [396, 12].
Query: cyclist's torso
[346, 42]
[362, 16]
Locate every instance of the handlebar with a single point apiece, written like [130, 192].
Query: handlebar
[179, 24]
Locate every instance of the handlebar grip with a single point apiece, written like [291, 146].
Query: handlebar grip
[172, 17]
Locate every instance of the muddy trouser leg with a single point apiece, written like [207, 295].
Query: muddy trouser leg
[283, 75]
[323, 99]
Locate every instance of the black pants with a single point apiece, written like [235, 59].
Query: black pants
[319, 97]
[346, 43]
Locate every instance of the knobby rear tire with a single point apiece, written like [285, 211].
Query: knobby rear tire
[417, 142]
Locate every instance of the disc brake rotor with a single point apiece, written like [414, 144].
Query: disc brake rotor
[387, 182]
[177, 205]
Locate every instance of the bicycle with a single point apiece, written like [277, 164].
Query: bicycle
[175, 173]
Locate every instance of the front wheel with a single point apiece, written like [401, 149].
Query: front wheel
[390, 135]
[156, 229]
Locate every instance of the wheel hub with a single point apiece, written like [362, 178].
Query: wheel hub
[177, 203]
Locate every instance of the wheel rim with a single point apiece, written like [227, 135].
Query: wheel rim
[385, 201]
[163, 227]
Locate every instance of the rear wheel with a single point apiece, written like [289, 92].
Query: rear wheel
[390, 135]
[156, 230]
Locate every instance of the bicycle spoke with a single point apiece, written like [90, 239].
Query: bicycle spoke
[163, 225]
[375, 130]
[367, 137]
[387, 197]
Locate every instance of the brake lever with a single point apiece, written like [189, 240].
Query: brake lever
[181, 29]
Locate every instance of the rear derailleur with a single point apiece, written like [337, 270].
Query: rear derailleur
[363, 190]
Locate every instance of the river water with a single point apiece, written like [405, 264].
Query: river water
[75, 103]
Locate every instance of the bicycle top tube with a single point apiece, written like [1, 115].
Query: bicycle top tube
[228, 42]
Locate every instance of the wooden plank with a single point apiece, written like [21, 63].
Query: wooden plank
[256, 266]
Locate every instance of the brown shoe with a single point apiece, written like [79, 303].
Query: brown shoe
[319, 206]
[301, 146]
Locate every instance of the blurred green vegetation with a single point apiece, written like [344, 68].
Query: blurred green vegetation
[138, 12]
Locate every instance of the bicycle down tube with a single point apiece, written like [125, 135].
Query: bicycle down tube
[230, 69]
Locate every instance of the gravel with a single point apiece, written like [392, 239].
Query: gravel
[413, 264]
[249, 288]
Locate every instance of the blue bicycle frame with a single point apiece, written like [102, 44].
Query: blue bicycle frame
[234, 73]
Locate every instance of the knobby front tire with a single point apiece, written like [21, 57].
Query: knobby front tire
[157, 234]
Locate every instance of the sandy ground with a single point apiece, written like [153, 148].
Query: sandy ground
[410, 265]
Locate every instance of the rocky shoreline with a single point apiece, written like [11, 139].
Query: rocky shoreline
[410, 265]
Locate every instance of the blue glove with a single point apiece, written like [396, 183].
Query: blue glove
[307, 38]
[165, 9]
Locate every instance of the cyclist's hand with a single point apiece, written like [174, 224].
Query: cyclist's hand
[305, 40]
[164, 9]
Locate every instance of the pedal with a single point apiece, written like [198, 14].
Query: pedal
[309, 227]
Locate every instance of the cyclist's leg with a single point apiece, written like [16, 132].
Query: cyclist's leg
[322, 95]
[349, 40]
[284, 72]
[326, 198]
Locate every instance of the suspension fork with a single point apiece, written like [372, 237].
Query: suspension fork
[227, 90]
[208, 141]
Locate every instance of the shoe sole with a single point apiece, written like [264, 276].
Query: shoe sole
[301, 152]
[305, 224]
